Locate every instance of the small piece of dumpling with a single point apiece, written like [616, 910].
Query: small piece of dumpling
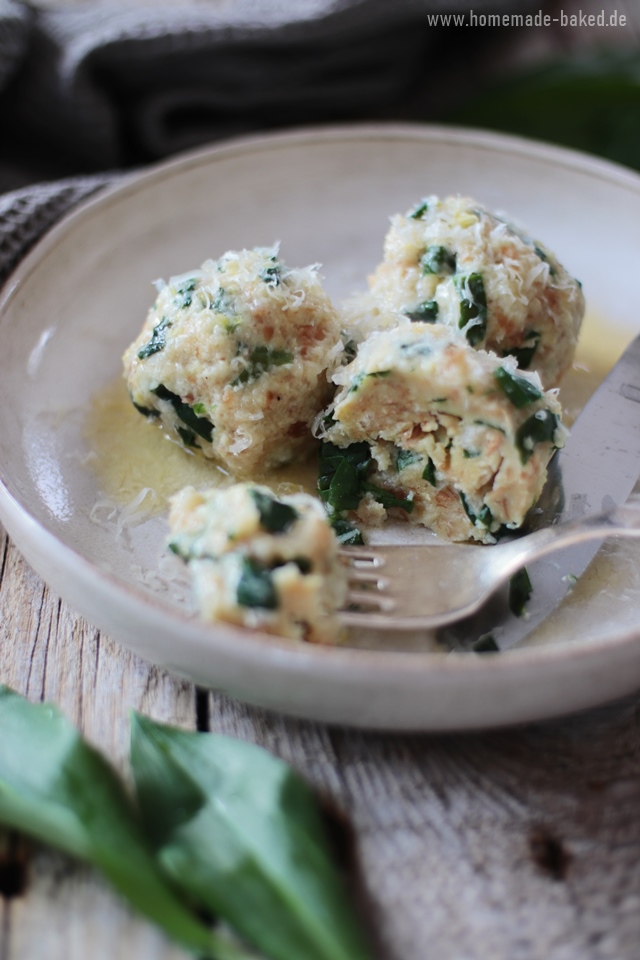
[267, 563]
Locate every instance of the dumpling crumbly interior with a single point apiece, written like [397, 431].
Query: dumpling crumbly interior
[453, 262]
[233, 357]
[456, 438]
[264, 562]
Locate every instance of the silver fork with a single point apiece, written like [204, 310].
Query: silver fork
[409, 587]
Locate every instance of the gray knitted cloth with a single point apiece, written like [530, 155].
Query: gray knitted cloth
[26, 214]
[103, 85]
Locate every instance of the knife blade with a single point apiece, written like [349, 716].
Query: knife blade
[598, 467]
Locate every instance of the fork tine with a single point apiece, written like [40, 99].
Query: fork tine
[361, 554]
[403, 587]
[372, 598]
[359, 575]
[423, 588]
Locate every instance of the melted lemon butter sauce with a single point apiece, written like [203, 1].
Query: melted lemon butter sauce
[130, 454]
[606, 598]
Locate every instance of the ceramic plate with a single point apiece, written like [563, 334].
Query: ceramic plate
[80, 297]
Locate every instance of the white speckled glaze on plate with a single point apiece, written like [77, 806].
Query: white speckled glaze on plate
[79, 298]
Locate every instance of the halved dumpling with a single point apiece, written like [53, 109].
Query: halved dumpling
[459, 439]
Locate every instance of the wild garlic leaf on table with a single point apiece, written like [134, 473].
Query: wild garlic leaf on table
[241, 832]
[59, 790]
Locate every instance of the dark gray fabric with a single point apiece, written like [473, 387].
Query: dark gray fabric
[14, 27]
[26, 214]
[104, 84]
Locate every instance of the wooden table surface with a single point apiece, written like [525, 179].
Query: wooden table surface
[508, 845]
[514, 845]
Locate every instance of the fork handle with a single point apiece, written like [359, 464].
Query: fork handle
[617, 521]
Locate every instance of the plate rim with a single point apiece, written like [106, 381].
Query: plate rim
[590, 164]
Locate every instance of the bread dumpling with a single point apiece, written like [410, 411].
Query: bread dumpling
[233, 357]
[458, 438]
[450, 261]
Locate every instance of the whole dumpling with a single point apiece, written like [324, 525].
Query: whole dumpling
[451, 261]
[233, 357]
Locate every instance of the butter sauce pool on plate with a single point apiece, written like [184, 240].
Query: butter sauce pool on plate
[138, 467]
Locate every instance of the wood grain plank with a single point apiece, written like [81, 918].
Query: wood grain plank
[516, 845]
[69, 914]
[49, 652]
